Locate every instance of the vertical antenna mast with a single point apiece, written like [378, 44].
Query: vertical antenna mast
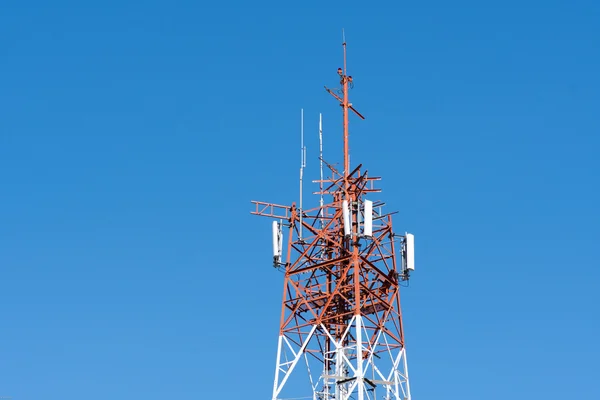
[302, 163]
[346, 83]
[345, 103]
[321, 160]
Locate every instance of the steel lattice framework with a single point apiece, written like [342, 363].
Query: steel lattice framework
[341, 320]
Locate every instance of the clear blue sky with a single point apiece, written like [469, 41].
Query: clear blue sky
[133, 135]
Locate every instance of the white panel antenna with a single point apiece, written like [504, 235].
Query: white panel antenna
[346, 212]
[410, 251]
[368, 225]
[277, 242]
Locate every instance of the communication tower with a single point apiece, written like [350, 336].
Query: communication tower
[341, 334]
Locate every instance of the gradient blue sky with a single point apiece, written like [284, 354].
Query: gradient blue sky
[133, 135]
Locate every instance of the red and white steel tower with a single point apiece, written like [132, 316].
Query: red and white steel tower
[341, 334]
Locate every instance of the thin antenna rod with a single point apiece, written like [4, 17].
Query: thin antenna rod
[321, 160]
[302, 165]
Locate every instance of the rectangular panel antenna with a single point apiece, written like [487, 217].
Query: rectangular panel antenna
[410, 251]
[346, 212]
[277, 242]
[368, 229]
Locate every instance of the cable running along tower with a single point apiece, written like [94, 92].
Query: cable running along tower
[341, 334]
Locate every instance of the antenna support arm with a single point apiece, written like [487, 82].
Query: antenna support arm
[342, 102]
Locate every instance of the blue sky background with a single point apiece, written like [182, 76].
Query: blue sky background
[133, 135]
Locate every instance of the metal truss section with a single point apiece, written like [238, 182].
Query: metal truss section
[358, 366]
[341, 334]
